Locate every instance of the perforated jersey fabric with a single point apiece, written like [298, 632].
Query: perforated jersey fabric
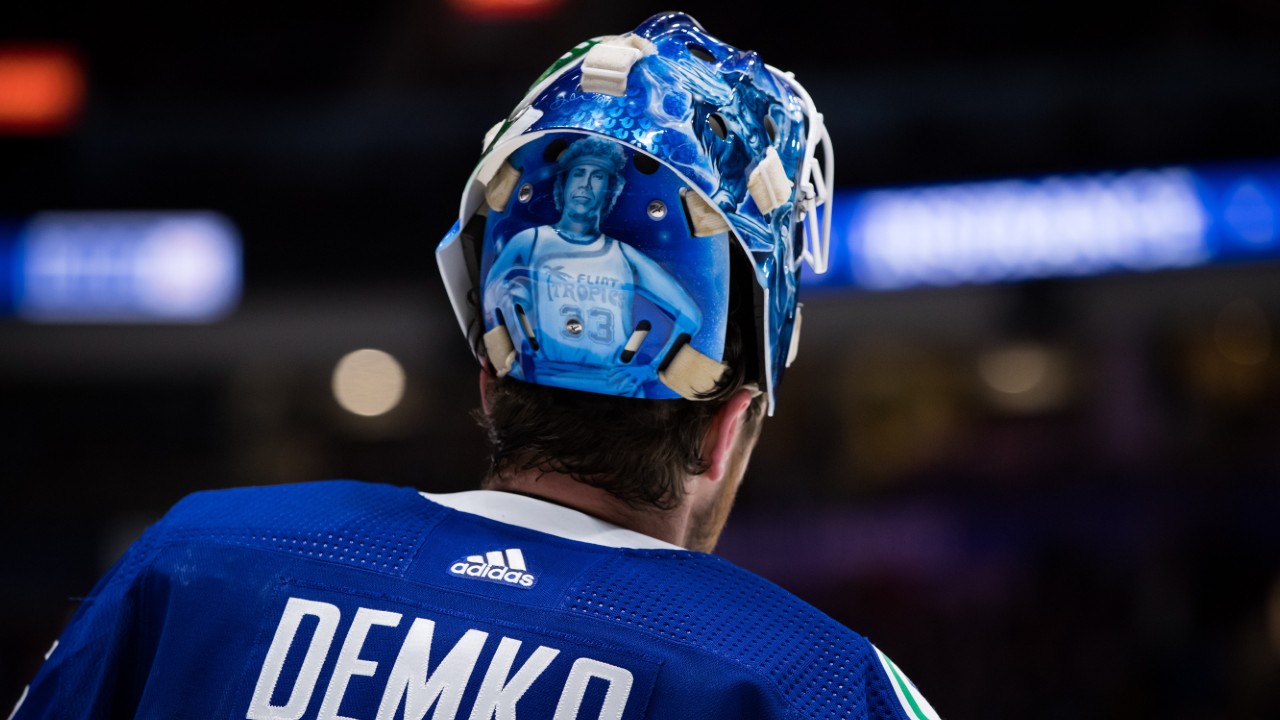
[343, 599]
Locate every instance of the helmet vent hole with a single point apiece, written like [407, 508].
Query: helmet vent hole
[636, 339]
[656, 210]
[645, 165]
[718, 125]
[526, 326]
[554, 150]
[700, 52]
[526, 193]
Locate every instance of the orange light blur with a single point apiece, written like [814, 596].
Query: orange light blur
[41, 89]
[505, 9]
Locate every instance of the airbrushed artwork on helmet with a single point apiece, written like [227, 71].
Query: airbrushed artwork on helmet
[711, 120]
[708, 110]
[720, 159]
[578, 281]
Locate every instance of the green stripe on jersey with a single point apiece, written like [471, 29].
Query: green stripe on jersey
[913, 703]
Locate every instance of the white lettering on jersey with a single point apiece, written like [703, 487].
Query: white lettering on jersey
[419, 687]
[260, 707]
[349, 660]
[615, 698]
[500, 566]
[414, 684]
[497, 695]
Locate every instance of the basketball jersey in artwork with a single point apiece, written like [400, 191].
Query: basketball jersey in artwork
[589, 289]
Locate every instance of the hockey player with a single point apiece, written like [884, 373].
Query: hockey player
[628, 357]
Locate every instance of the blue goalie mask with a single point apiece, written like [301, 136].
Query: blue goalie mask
[649, 191]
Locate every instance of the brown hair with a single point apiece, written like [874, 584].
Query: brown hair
[638, 450]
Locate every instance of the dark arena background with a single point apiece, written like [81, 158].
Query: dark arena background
[1031, 443]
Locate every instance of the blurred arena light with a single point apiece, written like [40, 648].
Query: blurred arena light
[42, 88]
[368, 382]
[505, 9]
[1024, 377]
[1053, 226]
[123, 267]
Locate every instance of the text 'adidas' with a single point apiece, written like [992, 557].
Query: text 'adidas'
[500, 566]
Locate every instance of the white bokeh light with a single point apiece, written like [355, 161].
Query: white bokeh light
[368, 382]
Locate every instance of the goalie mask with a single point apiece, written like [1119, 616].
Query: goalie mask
[650, 189]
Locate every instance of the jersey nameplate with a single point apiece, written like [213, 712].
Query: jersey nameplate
[415, 667]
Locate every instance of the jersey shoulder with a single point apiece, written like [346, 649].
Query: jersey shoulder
[347, 521]
[294, 504]
[743, 618]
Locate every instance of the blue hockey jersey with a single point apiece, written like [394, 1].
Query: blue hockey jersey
[343, 599]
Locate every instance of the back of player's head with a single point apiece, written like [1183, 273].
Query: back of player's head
[715, 184]
[640, 451]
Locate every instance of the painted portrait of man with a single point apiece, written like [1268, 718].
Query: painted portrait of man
[568, 288]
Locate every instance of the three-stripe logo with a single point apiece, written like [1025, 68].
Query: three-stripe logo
[505, 567]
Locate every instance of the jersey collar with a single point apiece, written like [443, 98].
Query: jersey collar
[547, 517]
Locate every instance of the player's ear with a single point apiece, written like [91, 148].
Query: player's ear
[486, 386]
[721, 439]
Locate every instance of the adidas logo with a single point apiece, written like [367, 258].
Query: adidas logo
[500, 566]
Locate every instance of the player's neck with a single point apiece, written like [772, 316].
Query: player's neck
[667, 525]
[578, 230]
